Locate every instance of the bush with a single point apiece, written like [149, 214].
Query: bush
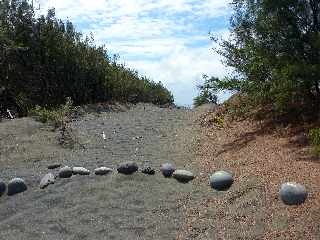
[218, 121]
[314, 137]
[238, 106]
[56, 117]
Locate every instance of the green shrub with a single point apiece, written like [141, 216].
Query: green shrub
[218, 121]
[314, 137]
[56, 117]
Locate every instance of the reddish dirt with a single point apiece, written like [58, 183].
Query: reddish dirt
[262, 156]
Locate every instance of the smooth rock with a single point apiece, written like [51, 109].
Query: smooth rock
[127, 168]
[183, 175]
[102, 171]
[65, 172]
[148, 170]
[167, 169]
[221, 180]
[47, 180]
[292, 193]
[54, 166]
[3, 187]
[80, 171]
[16, 185]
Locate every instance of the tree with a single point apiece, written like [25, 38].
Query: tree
[44, 60]
[208, 92]
[275, 51]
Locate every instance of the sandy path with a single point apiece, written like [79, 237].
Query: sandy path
[105, 207]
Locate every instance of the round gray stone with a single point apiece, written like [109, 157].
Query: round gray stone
[167, 169]
[127, 168]
[3, 187]
[65, 172]
[80, 171]
[16, 185]
[183, 175]
[47, 180]
[221, 180]
[293, 193]
[102, 171]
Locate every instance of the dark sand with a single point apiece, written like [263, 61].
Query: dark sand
[100, 207]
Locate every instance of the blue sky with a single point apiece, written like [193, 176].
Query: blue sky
[166, 40]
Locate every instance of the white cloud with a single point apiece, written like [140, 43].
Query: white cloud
[120, 8]
[182, 70]
[162, 39]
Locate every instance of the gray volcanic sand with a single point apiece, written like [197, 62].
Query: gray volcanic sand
[114, 206]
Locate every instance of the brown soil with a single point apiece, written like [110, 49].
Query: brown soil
[262, 157]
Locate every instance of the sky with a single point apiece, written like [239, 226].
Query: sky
[165, 40]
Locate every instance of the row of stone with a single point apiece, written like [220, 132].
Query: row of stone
[18, 185]
[291, 193]
[67, 172]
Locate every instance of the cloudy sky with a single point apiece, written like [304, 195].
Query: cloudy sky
[166, 40]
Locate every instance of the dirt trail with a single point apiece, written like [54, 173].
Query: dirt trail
[106, 207]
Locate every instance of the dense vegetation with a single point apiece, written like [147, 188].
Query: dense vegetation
[44, 60]
[274, 50]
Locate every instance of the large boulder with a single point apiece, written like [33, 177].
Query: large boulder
[183, 175]
[16, 185]
[3, 187]
[221, 180]
[127, 168]
[102, 171]
[65, 172]
[167, 169]
[292, 193]
[80, 171]
[47, 180]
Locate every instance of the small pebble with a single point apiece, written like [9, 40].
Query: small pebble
[292, 193]
[3, 187]
[221, 180]
[65, 172]
[54, 166]
[127, 168]
[80, 171]
[183, 175]
[47, 180]
[102, 171]
[167, 169]
[148, 170]
[16, 185]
